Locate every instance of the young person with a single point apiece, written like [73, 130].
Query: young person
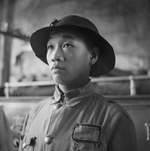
[77, 117]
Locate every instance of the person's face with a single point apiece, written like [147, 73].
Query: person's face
[68, 58]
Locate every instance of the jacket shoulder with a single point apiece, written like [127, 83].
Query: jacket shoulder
[39, 106]
[110, 104]
[110, 108]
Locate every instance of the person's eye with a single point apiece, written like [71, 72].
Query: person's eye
[50, 47]
[67, 45]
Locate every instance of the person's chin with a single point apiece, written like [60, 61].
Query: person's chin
[59, 79]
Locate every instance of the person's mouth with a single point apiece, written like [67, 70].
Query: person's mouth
[57, 68]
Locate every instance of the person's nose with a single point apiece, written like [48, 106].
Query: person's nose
[58, 54]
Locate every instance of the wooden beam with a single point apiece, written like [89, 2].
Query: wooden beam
[14, 34]
[6, 41]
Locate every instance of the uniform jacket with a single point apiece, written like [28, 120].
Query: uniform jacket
[80, 120]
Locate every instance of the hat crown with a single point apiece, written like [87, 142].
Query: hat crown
[78, 21]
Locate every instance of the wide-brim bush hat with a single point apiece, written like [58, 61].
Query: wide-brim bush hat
[106, 60]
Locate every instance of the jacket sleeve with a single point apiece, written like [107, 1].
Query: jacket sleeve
[124, 135]
[6, 138]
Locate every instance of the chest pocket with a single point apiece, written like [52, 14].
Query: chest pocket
[86, 137]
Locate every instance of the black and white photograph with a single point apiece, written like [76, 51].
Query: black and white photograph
[74, 75]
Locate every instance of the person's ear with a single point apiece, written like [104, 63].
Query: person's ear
[94, 55]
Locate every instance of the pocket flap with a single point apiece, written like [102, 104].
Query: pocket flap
[87, 133]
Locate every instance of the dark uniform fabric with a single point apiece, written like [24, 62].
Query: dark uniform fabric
[81, 120]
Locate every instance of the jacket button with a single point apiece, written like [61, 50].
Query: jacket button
[48, 139]
[24, 145]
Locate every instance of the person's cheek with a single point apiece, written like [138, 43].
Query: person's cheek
[69, 54]
[49, 60]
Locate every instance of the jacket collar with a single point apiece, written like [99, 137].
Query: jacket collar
[61, 97]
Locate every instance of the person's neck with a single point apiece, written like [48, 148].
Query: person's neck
[69, 87]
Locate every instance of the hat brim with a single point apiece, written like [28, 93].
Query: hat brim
[106, 60]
